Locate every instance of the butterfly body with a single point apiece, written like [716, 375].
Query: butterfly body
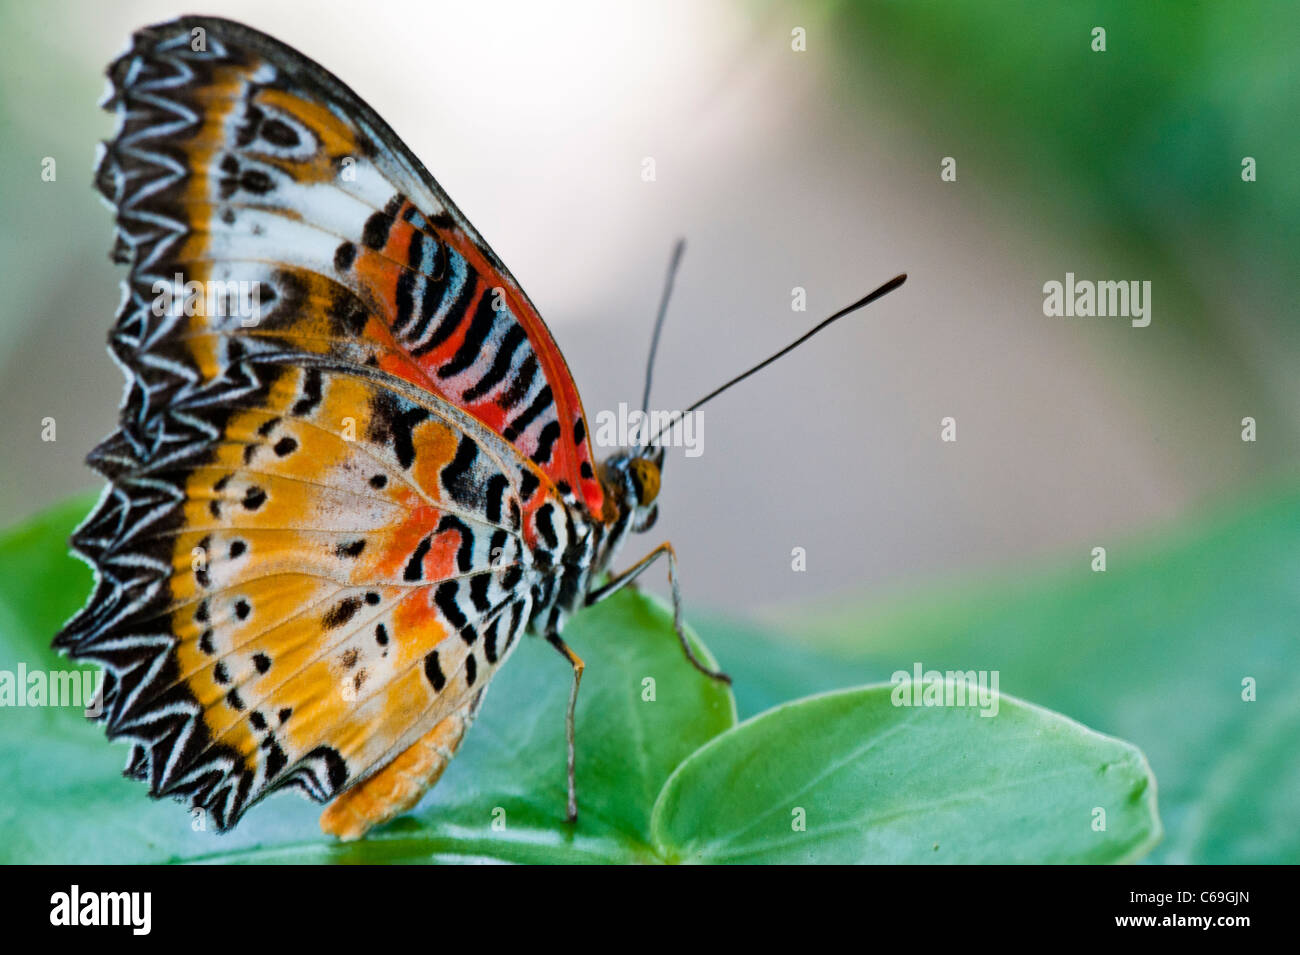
[352, 467]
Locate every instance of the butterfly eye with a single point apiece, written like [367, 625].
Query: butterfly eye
[645, 478]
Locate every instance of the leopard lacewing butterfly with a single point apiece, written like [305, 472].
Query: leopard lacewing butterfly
[326, 524]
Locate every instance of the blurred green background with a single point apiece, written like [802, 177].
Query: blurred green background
[820, 169]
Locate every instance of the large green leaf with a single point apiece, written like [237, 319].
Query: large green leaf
[62, 797]
[1153, 650]
[851, 777]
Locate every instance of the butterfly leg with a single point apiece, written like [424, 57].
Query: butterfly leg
[575, 661]
[619, 581]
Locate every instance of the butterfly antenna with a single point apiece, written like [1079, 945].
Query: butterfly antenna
[867, 299]
[676, 259]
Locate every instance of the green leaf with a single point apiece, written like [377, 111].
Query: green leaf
[875, 782]
[1155, 650]
[63, 799]
[41, 585]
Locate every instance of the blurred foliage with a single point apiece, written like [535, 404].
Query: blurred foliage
[878, 782]
[1147, 137]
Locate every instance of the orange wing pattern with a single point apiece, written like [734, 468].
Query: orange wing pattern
[344, 451]
[243, 165]
[300, 604]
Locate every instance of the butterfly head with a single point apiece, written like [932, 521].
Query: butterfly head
[631, 482]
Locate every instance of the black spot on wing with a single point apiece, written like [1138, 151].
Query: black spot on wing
[546, 442]
[545, 520]
[375, 234]
[478, 592]
[279, 133]
[347, 312]
[341, 612]
[415, 251]
[433, 672]
[404, 299]
[344, 256]
[445, 599]
[494, 495]
[528, 483]
[458, 475]
[393, 422]
[351, 548]
[256, 181]
[311, 393]
[275, 758]
[464, 552]
[415, 566]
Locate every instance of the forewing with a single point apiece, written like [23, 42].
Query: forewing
[239, 165]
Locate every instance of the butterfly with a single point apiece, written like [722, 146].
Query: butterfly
[352, 467]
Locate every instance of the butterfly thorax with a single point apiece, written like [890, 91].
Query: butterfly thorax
[571, 556]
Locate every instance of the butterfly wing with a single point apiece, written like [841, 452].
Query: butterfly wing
[240, 164]
[315, 547]
[282, 602]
